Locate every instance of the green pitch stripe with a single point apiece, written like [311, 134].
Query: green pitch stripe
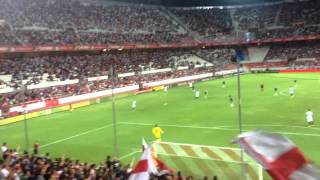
[224, 167]
[202, 166]
[175, 158]
[234, 156]
[252, 172]
[227, 160]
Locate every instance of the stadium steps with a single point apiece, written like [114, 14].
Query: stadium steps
[235, 24]
[277, 16]
[207, 61]
[257, 54]
[176, 20]
[194, 59]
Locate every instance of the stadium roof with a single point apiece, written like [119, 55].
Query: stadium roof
[193, 3]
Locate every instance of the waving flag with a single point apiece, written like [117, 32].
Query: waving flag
[145, 167]
[160, 166]
[278, 155]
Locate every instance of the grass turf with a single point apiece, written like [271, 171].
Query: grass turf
[86, 133]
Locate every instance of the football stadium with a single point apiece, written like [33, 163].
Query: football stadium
[159, 89]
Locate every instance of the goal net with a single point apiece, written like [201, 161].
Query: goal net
[201, 160]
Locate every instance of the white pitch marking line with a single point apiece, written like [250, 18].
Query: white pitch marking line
[217, 128]
[198, 145]
[74, 136]
[129, 154]
[271, 125]
[230, 161]
[172, 125]
[283, 94]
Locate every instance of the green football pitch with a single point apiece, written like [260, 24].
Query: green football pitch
[87, 133]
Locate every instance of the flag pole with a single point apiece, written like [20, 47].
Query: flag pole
[243, 176]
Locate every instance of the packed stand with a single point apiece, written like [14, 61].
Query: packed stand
[309, 30]
[259, 17]
[60, 14]
[294, 51]
[305, 12]
[275, 33]
[59, 22]
[69, 67]
[207, 22]
[25, 71]
[7, 37]
[281, 20]
[33, 70]
[23, 95]
[24, 165]
[40, 22]
[71, 37]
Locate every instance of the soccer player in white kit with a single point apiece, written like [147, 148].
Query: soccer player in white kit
[134, 104]
[309, 115]
[197, 94]
[165, 89]
[206, 92]
[291, 92]
[223, 84]
[275, 92]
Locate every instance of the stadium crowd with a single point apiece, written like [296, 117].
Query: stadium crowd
[58, 22]
[25, 71]
[294, 51]
[32, 95]
[63, 67]
[72, 22]
[280, 20]
[259, 17]
[72, 37]
[207, 22]
[15, 165]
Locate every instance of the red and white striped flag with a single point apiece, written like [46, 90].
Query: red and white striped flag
[278, 155]
[145, 167]
[161, 166]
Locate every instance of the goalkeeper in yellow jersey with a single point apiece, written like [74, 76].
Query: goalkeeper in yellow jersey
[157, 131]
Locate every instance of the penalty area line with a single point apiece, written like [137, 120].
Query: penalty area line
[173, 125]
[272, 125]
[217, 128]
[129, 154]
[75, 136]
